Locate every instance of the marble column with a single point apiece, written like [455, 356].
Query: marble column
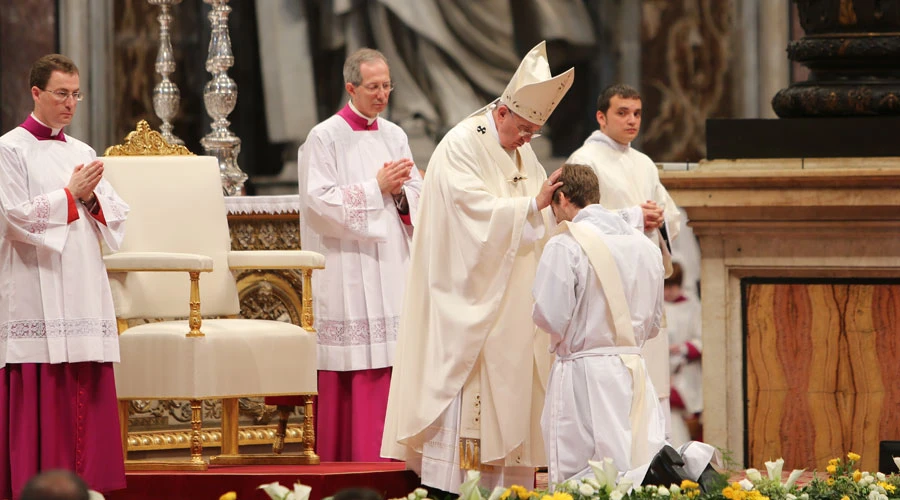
[86, 36]
[774, 67]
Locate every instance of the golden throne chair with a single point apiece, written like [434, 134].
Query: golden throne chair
[177, 231]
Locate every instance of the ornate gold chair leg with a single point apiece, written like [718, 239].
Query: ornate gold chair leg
[309, 431]
[196, 426]
[230, 426]
[284, 411]
[123, 426]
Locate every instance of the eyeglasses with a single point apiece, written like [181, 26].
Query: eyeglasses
[524, 132]
[375, 87]
[63, 96]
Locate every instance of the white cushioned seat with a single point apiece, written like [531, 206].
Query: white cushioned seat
[236, 358]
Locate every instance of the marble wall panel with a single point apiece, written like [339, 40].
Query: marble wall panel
[29, 27]
[821, 370]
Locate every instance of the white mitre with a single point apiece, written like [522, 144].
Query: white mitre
[533, 93]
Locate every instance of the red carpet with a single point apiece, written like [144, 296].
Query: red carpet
[391, 479]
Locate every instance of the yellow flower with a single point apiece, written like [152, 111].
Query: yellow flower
[831, 469]
[520, 492]
[561, 496]
[845, 497]
[687, 484]
[734, 492]
[229, 496]
[829, 481]
[890, 488]
[834, 461]
[856, 475]
[852, 456]
[506, 494]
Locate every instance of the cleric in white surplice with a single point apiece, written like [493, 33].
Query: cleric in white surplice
[58, 336]
[359, 192]
[598, 293]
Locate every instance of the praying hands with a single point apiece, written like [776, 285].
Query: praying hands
[393, 174]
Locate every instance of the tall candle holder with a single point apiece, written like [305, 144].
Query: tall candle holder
[220, 97]
[166, 96]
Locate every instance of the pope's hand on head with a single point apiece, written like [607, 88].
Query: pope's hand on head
[547, 189]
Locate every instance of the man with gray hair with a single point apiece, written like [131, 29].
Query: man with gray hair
[359, 192]
[471, 366]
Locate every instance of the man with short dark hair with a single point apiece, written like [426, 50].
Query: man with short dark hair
[630, 186]
[359, 192]
[598, 294]
[58, 335]
[55, 485]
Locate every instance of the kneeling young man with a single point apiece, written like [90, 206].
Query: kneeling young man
[598, 293]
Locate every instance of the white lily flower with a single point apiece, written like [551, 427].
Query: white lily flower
[804, 496]
[593, 482]
[411, 496]
[605, 472]
[586, 489]
[573, 484]
[421, 492]
[774, 469]
[795, 475]
[624, 485]
[275, 490]
[746, 484]
[663, 491]
[674, 489]
[880, 476]
[469, 489]
[790, 497]
[495, 494]
[616, 495]
[754, 475]
[638, 489]
[301, 491]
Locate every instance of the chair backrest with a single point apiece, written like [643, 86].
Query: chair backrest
[177, 205]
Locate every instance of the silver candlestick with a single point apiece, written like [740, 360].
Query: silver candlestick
[220, 97]
[166, 96]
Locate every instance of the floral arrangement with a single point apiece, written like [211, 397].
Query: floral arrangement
[844, 481]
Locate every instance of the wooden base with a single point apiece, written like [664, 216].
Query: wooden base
[164, 465]
[264, 459]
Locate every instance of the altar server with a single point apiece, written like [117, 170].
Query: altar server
[58, 336]
[359, 194]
